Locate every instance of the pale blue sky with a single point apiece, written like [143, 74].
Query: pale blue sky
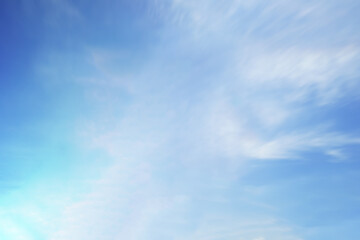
[181, 120]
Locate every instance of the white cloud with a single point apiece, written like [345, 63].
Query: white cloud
[300, 72]
[123, 203]
[234, 133]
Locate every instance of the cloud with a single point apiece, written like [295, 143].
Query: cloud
[234, 133]
[300, 73]
[122, 203]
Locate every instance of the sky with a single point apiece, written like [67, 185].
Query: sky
[179, 120]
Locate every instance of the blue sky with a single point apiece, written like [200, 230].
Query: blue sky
[182, 120]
